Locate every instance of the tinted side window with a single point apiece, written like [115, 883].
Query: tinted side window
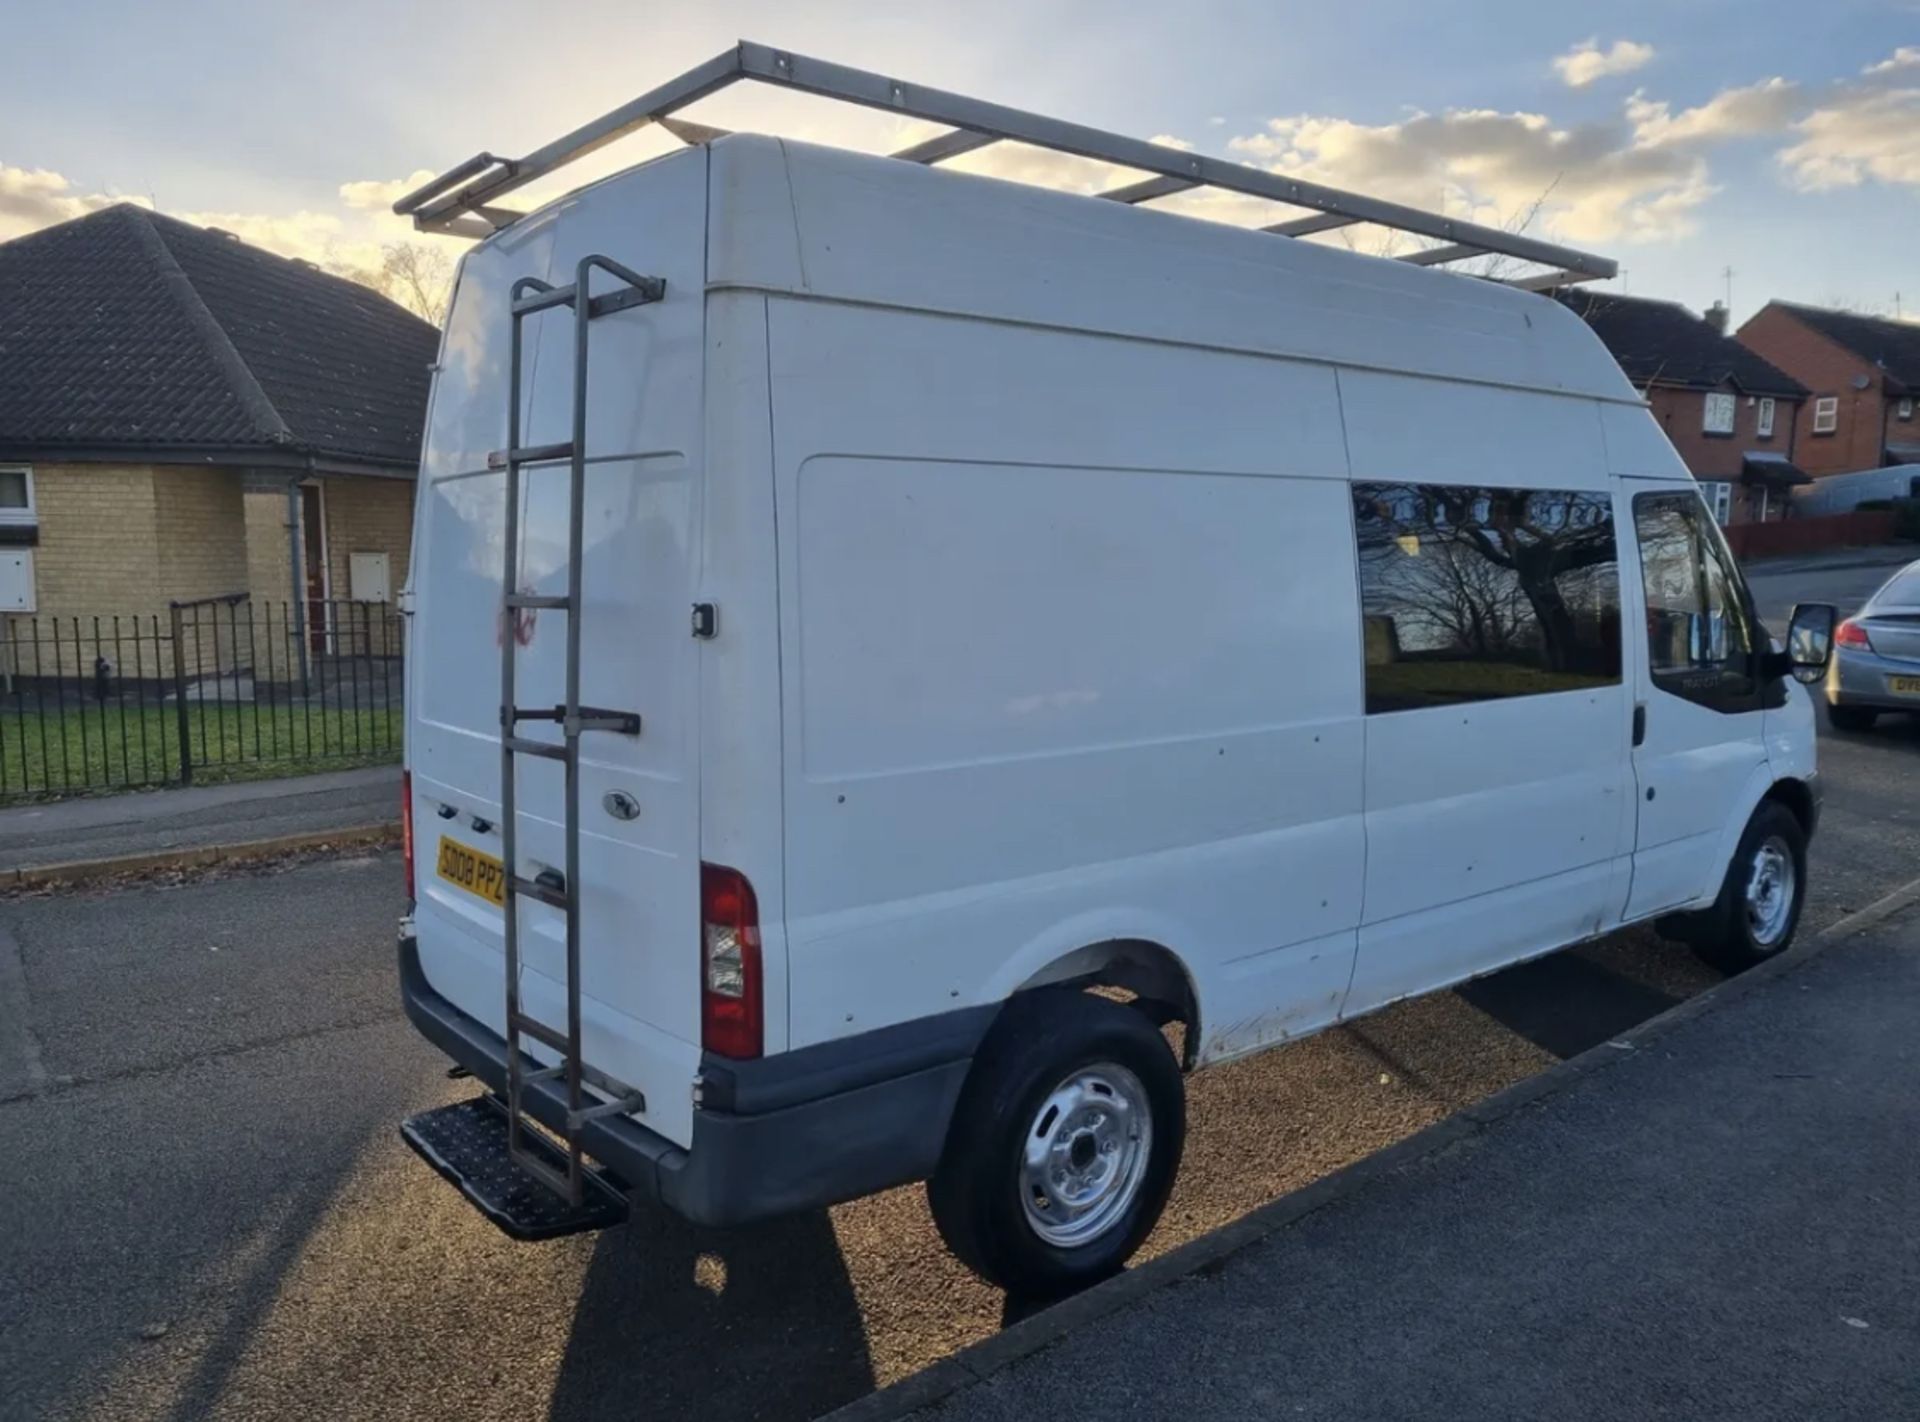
[1470, 594]
[1699, 641]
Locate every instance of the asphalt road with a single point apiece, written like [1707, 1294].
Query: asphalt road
[206, 1210]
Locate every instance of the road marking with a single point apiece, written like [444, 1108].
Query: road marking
[21, 1071]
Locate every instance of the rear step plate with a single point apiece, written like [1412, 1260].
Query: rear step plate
[467, 1143]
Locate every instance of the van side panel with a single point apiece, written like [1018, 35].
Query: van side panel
[1071, 654]
[1492, 825]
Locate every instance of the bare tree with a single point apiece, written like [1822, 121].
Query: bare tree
[410, 274]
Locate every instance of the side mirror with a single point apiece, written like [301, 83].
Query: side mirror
[1810, 640]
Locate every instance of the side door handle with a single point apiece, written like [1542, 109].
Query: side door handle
[1639, 723]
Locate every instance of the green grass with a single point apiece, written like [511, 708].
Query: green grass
[95, 748]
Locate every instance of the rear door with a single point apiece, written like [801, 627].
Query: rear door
[1700, 707]
[640, 871]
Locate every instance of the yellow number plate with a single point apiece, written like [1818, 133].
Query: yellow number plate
[1904, 685]
[473, 871]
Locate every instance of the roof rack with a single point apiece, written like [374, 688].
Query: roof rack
[462, 200]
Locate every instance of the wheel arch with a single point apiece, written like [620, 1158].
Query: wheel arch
[1153, 973]
[1798, 798]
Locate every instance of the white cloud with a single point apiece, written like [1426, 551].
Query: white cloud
[1850, 132]
[1591, 181]
[1862, 137]
[1905, 57]
[379, 195]
[351, 237]
[32, 198]
[1765, 107]
[1586, 61]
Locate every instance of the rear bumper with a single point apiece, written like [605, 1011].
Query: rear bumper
[771, 1137]
[1859, 678]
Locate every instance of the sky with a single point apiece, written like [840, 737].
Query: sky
[1681, 138]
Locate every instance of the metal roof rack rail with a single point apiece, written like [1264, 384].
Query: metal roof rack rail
[461, 201]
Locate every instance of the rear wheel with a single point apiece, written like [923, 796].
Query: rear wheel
[1851, 718]
[1760, 901]
[1064, 1145]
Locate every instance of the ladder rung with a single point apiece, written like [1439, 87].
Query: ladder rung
[546, 750]
[623, 1106]
[544, 300]
[536, 453]
[595, 718]
[540, 1031]
[552, 1073]
[557, 601]
[554, 898]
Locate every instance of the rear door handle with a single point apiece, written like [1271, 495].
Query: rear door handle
[1639, 722]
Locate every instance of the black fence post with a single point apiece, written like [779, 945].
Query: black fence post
[180, 696]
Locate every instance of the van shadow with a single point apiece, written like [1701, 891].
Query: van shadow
[1565, 1003]
[674, 1320]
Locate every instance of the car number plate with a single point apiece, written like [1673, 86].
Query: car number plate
[1904, 685]
[473, 871]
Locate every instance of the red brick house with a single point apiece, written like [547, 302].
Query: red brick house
[1730, 413]
[1862, 372]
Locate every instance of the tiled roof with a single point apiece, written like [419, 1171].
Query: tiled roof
[1894, 346]
[125, 331]
[1663, 343]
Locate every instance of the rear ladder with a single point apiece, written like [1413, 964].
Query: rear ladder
[526, 1146]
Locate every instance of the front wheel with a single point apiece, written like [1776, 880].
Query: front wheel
[1064, 1145]
[1760, 901]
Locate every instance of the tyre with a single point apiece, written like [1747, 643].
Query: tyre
[1851, 718]
[1063, 1146]
[1760, 901]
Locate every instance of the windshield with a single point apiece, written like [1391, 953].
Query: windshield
[1902, 591]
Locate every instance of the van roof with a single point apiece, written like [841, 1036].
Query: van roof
[827, 223]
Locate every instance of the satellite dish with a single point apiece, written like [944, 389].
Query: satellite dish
[1861, 382]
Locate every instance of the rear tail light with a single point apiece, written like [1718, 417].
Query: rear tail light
[406, 826]
[732, 1020]
[1851, 634]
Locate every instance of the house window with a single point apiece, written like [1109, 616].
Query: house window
[19, 520]
[1906, 408]
[1476, 594]
[1763, 422]
[1719, 497]
[1718, 414]
[1826, 414]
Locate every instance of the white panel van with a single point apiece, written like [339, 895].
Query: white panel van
[972, 654]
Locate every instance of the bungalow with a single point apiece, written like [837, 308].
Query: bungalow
[183, 416]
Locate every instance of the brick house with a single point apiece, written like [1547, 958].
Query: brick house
[184, 416]
[1729, 412]
[1863, 372]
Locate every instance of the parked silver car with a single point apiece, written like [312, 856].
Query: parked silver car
[1876, 656]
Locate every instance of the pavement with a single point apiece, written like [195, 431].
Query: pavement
[1716, 1223]
[194, 817]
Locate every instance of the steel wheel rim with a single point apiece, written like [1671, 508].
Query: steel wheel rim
[1085, 1155]
[1770, 891]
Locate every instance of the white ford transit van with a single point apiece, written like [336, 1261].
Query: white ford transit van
[886, 644]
